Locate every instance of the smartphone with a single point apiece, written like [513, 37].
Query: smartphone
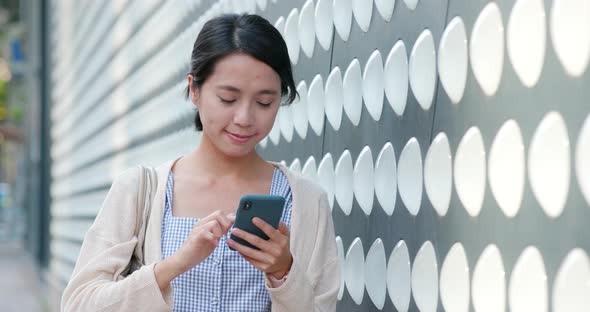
[266, 207]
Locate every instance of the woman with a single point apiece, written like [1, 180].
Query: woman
[240, 72]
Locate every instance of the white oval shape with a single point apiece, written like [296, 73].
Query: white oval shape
[411, 4]
[525, 39]
[528, 283]
[486, 48]
[342, 17]
[292, 35]
[340, 248]
[399, 277]
[364, 180]
[506, 167]
[334, 98]
[570, 34]
[310, 169]
[315, 104]
[425, 278]
[286, 123]
[373, 85]
[549, 164]
[583, 159]
[454, 280]
[354, 271]
[376, 273]
[280, 25]
[263, 142]
[489, 282]
[438, 174]
[343, 184]
[386, 178]
[423, 69]
[275, 132]
[470, 171]
[306, 28]
[396, 77]
[324, 23]
[385, 8]
[362, 11]
[299, 110]
[353, 95]
[326, 177]
[572, 283]
[295, 165]
[409, 176]
[452, 59]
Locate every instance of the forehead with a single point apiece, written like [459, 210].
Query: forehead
[244, 71]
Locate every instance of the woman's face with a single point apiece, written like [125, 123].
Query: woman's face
[238, 103]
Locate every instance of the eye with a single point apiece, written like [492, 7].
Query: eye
[227, 101]
[264, 104]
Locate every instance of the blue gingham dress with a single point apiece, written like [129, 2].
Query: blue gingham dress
[224, 281]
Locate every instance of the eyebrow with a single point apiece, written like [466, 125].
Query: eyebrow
[234, 89]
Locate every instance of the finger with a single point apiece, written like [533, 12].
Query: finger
[210, 217]
[252, 239]
[231, 217]
[246, 251]
[268, 229]
[261, 266]
[220, 218]
[214, 227]
[210, 237]
[283, 229]
[224, 221]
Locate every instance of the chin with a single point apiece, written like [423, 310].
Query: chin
[238, 151]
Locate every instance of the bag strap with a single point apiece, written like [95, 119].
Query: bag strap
[147, 182]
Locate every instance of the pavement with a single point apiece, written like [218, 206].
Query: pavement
[20, 287]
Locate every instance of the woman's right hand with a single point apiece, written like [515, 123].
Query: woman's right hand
[200, 243]
[203, 239]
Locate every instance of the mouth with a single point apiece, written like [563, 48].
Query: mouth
[239, 138]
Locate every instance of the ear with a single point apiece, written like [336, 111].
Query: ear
[193, 91]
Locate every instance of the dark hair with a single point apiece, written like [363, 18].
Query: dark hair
[250, 34]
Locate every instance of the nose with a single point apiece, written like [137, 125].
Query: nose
[244, 115]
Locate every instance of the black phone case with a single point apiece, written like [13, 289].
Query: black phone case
[266, 207]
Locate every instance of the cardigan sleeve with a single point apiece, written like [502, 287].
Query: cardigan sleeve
[312, 285]
[96, 283]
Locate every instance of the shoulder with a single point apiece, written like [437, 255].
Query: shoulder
[307, 186]
[300, 183]
[127, 179]
[308, 193]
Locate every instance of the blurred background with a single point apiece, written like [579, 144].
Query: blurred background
[23, 210]
[452, 137]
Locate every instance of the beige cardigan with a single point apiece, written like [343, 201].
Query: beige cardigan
[97, 284]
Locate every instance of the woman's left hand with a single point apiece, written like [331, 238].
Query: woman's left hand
[274, 256]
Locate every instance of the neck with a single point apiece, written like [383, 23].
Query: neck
[207, 159]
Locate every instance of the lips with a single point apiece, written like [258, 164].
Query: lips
[239, 138]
